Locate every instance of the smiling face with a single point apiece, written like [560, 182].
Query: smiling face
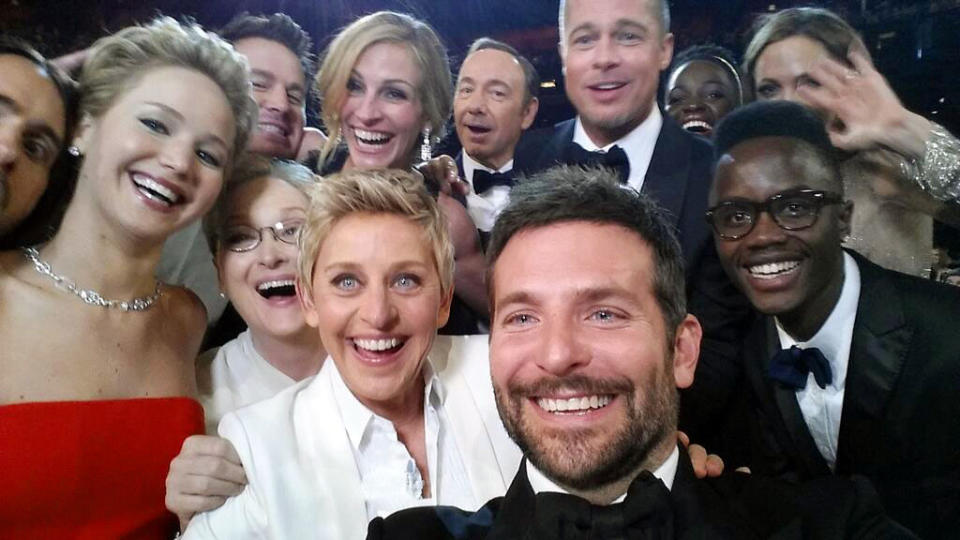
[260, 282]
[489, 108]
[382, 117]
[280, 90]
[32, 125]
[584, 376]
[699, 94]
[613, 53]
[154, 161]
[795, 275]
[377, 304]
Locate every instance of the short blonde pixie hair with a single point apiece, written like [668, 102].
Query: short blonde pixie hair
[117, 62]
[436, 81]
[388, 191]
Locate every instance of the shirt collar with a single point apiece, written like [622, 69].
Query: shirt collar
[665, 473]
[357, 418]
[470, 165]
[638, 144]
[834, 331]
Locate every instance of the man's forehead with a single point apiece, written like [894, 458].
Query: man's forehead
[478, 65]
[592, 12]
[776, 163]
[29, 89]
[266, 55]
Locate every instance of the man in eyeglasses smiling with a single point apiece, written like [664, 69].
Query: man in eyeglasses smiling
[849, 368]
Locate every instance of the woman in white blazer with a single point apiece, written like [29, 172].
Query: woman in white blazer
[399, 417]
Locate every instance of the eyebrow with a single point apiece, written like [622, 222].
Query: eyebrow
[269, 75]
[582, 295]
[357, 74]
[44, 129]
[173, 112]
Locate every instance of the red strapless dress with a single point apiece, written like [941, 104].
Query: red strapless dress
[91, 469]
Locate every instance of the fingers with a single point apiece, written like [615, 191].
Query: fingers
[714, 466]
[698, 458]
[745, 470]
[683, 438]
[208, 445]
[186, 506]
[188, 484]
[859, 57]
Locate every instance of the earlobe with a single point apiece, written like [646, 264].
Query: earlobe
[82, 134]
[443, 314]
[530, 113]
[686, 351]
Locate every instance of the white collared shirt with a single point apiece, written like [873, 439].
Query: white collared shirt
[638, 144]
[485, 207]
[823, 407]
[666, 472]
[239, 376]
[385, 464]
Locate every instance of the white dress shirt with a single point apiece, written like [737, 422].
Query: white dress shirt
[638, 144]
[485, 207]
[666, 472]
[384, 462]
[822, 407]
[238, 376]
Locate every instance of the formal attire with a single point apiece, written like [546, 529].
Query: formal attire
[319, 465]
[665, 504]
[91, 469]
[486, 199]
[234, 376]
[890, 412]
[676, 173]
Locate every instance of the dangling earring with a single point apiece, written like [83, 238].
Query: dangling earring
[74, 151]
[425, 151]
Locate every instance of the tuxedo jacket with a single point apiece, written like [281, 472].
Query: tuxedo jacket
[303, 481]
[900, 422]
[735, 506]
[678, 178]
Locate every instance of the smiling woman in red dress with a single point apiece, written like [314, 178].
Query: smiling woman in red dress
[96, 368]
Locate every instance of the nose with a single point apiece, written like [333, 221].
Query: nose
[177, 155]
[9, 146]
[476, 103]
[275, 99]
[765, 232]
[272, 252]
[606, 54]
[563, 352]
[694, 105]
[368, 109]
[378, 309]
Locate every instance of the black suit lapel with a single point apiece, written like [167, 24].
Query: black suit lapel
[460, 173]
[516, 510]
[666, 179]
[881, 339]
[763, 343]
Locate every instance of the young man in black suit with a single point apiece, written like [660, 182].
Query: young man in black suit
[590, 340]
[848, 368]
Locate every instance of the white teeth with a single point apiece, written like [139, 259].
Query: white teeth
[276, 283]
[697, 124]
[273, 128]
[371, 137]
[155, 188]
[574, 405]
[377, 344]
[608, 86]
[771, 270]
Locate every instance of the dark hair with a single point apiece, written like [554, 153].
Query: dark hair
[45, 217]
[530, 75]
[575, 193]
[776, 119]
[710, 52]
[277, 27]
[818, 24]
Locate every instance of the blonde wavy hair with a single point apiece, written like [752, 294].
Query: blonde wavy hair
[117, 62]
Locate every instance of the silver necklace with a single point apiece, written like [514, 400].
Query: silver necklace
[89, 296]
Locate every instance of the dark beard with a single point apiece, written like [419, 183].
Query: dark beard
[567, 457]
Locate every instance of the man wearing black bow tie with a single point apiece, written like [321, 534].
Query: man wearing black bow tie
[850, 368]
[495, 101]
[590, 340]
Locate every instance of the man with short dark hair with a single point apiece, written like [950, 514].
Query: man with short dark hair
[848, 368]
[589, 342]
[494, 102]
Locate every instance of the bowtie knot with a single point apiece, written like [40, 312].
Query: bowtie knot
[791, 367]
[646, 512]
[615, 158]
[484, 180]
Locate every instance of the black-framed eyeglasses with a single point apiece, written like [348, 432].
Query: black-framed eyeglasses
[790, 210]
[242, 238]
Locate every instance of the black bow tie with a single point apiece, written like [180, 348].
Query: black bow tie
[615, 158]
[484, 180]
[645, 513]
[791, 367]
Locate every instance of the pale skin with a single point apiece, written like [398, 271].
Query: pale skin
[89, 357]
